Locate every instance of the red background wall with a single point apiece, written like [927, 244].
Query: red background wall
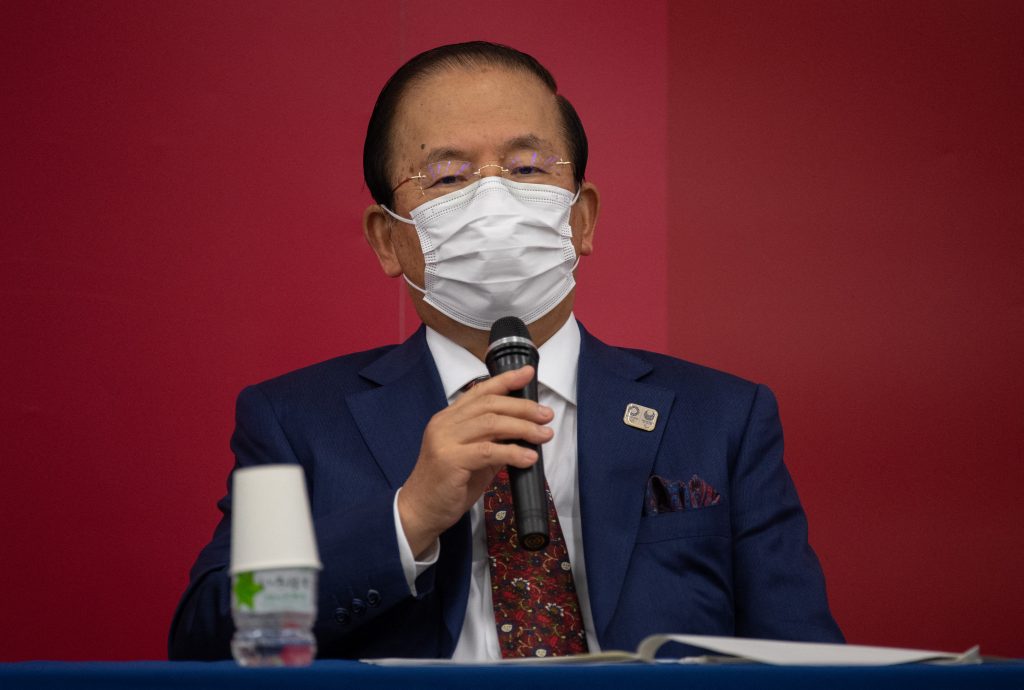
[848, 226]
[824, 198]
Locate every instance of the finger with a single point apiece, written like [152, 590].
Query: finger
[485, 454]
[502, 405]
[496, 427]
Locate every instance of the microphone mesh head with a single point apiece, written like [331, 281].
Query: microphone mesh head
[507, 327]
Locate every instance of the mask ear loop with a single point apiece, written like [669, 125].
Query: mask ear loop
[409, 221]
[573, 203]
[417, 288]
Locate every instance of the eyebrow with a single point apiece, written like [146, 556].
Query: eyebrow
[444, 153]
[523, 141]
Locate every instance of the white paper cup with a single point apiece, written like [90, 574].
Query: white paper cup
[271, 525]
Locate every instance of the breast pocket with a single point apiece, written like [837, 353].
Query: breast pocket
[712, 521]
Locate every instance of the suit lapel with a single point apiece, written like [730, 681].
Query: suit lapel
[615, 462]
[392, 416]
[391, 419]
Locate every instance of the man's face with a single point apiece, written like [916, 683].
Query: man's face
[482, 115]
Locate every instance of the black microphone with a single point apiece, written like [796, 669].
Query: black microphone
[511, 348]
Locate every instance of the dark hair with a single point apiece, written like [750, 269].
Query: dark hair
[379, 135]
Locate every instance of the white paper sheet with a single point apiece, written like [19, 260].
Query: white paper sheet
[805, 653]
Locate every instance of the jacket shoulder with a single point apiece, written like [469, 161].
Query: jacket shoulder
[683, 377]
[668, 368]
[337, 376]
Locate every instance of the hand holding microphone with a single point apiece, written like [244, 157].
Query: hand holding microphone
[463, 446]
[510, 349]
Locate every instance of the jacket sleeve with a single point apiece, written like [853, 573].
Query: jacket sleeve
[779, 585]
[362, 575]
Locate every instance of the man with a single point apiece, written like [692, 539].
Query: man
[674, 510]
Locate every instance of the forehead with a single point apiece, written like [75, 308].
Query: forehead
[477, 111]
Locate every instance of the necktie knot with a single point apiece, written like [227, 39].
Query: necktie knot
[473, 382]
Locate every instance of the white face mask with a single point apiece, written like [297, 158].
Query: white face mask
[496, 248]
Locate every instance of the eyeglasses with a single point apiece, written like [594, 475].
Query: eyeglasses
[440, 177]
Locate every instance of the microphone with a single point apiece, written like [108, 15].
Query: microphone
[511, 348]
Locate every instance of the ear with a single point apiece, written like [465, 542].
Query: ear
[583, 218]
[377, 227]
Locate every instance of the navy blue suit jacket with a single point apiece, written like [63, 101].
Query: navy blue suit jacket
[741, 567]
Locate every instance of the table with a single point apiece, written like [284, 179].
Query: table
[352, 675]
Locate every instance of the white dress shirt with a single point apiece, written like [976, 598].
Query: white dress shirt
[559, 361]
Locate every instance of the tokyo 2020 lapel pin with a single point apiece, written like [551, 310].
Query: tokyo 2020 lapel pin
[640, 417]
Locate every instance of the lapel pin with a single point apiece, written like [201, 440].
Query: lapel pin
[640, 417]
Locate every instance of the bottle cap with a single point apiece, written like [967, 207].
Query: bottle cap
[271, 525]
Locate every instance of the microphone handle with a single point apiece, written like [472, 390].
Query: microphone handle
[529, 496]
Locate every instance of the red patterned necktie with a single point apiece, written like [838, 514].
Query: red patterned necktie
[535, 604]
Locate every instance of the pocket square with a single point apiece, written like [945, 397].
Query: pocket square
[674, 495]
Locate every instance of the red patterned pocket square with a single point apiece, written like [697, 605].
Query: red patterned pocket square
[673, 495]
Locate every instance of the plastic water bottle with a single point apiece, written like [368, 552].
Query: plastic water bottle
[274, 611]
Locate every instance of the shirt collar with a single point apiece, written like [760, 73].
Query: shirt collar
[559, 361]
[456, 365]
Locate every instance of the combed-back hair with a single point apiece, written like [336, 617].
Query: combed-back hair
[377, 149]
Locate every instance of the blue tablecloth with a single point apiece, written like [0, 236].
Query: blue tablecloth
[350, 675]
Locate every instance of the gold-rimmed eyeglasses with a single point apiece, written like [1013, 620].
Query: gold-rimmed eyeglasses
[440, 177]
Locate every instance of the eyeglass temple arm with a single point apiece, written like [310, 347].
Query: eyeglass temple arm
[421, 176]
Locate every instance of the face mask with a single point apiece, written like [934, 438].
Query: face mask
[496, 248]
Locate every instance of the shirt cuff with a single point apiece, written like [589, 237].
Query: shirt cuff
[410, 566]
